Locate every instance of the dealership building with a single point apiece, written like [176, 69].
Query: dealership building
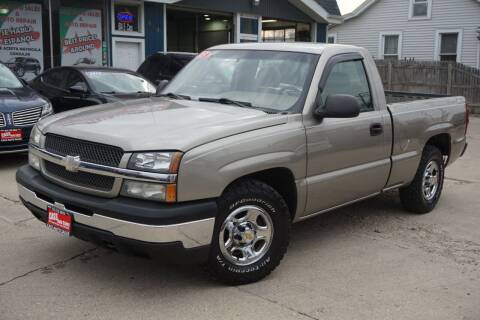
[122, 33]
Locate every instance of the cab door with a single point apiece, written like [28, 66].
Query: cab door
[348, 159]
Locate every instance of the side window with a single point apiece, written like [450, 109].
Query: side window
[349, 77]
[74, 78]
[53, 78]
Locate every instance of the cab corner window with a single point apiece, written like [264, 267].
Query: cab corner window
[350, 78]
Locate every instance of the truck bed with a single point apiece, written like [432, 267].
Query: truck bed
[415, 122]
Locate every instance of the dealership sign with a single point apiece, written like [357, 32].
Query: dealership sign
[21, 42]
[81, 36]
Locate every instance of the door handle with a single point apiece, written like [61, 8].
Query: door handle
[376, 129]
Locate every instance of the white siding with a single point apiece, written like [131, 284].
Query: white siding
[418, 35]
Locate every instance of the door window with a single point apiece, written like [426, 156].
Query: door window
[53, 78]
[350, 78]
[74, 78]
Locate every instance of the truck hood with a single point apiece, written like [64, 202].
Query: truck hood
[157, 123]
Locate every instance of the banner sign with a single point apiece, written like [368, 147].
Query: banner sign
[21, 41]
[81, 36]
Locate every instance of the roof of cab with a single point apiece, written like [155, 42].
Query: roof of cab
[305, 47]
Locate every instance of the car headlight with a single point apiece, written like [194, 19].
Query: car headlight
[35, 136]
[47, 109]
[161, 162]
[150, 191]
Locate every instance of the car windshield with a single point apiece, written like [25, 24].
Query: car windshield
[274, 80]
[118, 82]
[8, 79]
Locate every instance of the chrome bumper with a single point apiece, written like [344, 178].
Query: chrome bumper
[191, 234]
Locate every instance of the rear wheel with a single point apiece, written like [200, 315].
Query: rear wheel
[251, 233]
[422, 195]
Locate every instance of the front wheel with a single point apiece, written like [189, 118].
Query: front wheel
[422, 195]
[251, 233]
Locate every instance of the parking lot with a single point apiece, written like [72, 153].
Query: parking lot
[369, 261]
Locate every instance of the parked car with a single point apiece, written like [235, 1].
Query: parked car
[75, 87]
[20, 108]
[21, 65]
[217, 169]
[164, 66]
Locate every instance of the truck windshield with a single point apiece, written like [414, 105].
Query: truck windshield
[8, 79]
[274, 80]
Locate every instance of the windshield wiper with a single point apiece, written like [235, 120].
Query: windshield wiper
[241, 104]
[172, 95]
[108, 92]
[228, 101]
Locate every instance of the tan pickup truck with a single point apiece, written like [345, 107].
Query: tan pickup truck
[246, 140]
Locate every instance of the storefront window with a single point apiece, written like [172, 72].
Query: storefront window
[80, 36]
[126, 18]
[21, 38]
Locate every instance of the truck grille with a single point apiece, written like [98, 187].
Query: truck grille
[82, 179]
[87, 151]
[27, 117]
[2, 120]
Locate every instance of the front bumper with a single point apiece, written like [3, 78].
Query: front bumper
[128, 225]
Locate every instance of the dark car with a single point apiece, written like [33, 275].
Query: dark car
[69, 88]
[20, 108]
[164, 66]
[21, 65]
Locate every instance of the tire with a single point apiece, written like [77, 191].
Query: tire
[238, 207]
[418, 197]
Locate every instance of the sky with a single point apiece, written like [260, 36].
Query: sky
[347, 6]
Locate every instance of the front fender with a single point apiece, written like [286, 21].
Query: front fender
[206, 171]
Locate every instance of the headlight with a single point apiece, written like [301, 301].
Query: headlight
[47, 109]
[35, 136]
[150, 191]
[162, 162]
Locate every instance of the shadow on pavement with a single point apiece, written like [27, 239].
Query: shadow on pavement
[12, 161]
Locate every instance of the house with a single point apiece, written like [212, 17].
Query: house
[440, 30]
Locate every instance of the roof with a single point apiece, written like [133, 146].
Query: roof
[364, 6]
[303, 47]
[331, 6]
[319, 10]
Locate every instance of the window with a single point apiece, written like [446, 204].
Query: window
[349, 77]
[391, 46]
[127, 18]
[74, 79]
[332, 38]
[420, 9]
[54, 78]
[448, 45]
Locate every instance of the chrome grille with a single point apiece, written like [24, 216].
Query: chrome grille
[82, 179]
[87, 151]
[27, 117]
[2, 120]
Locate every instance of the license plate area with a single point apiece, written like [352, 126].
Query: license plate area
[11, 135]
[59, 220]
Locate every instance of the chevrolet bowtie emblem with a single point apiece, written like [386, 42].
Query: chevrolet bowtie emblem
[72, 163]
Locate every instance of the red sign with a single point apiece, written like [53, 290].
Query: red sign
[11, 135]
[59, 221]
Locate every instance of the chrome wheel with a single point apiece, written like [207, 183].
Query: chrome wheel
[246, 235]
[431, 180]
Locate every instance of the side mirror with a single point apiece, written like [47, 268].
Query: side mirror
[161, 85]
[78, 88]
[338, 106]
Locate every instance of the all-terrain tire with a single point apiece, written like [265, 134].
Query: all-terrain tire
[248, 193]
[413, 197]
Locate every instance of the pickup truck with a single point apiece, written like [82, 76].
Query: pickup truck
[246, 140]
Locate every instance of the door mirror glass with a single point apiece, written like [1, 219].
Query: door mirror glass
[78, 88]
[161, 85]
[338, 106]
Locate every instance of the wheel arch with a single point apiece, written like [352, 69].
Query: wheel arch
[281, 179]
[443, 142]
